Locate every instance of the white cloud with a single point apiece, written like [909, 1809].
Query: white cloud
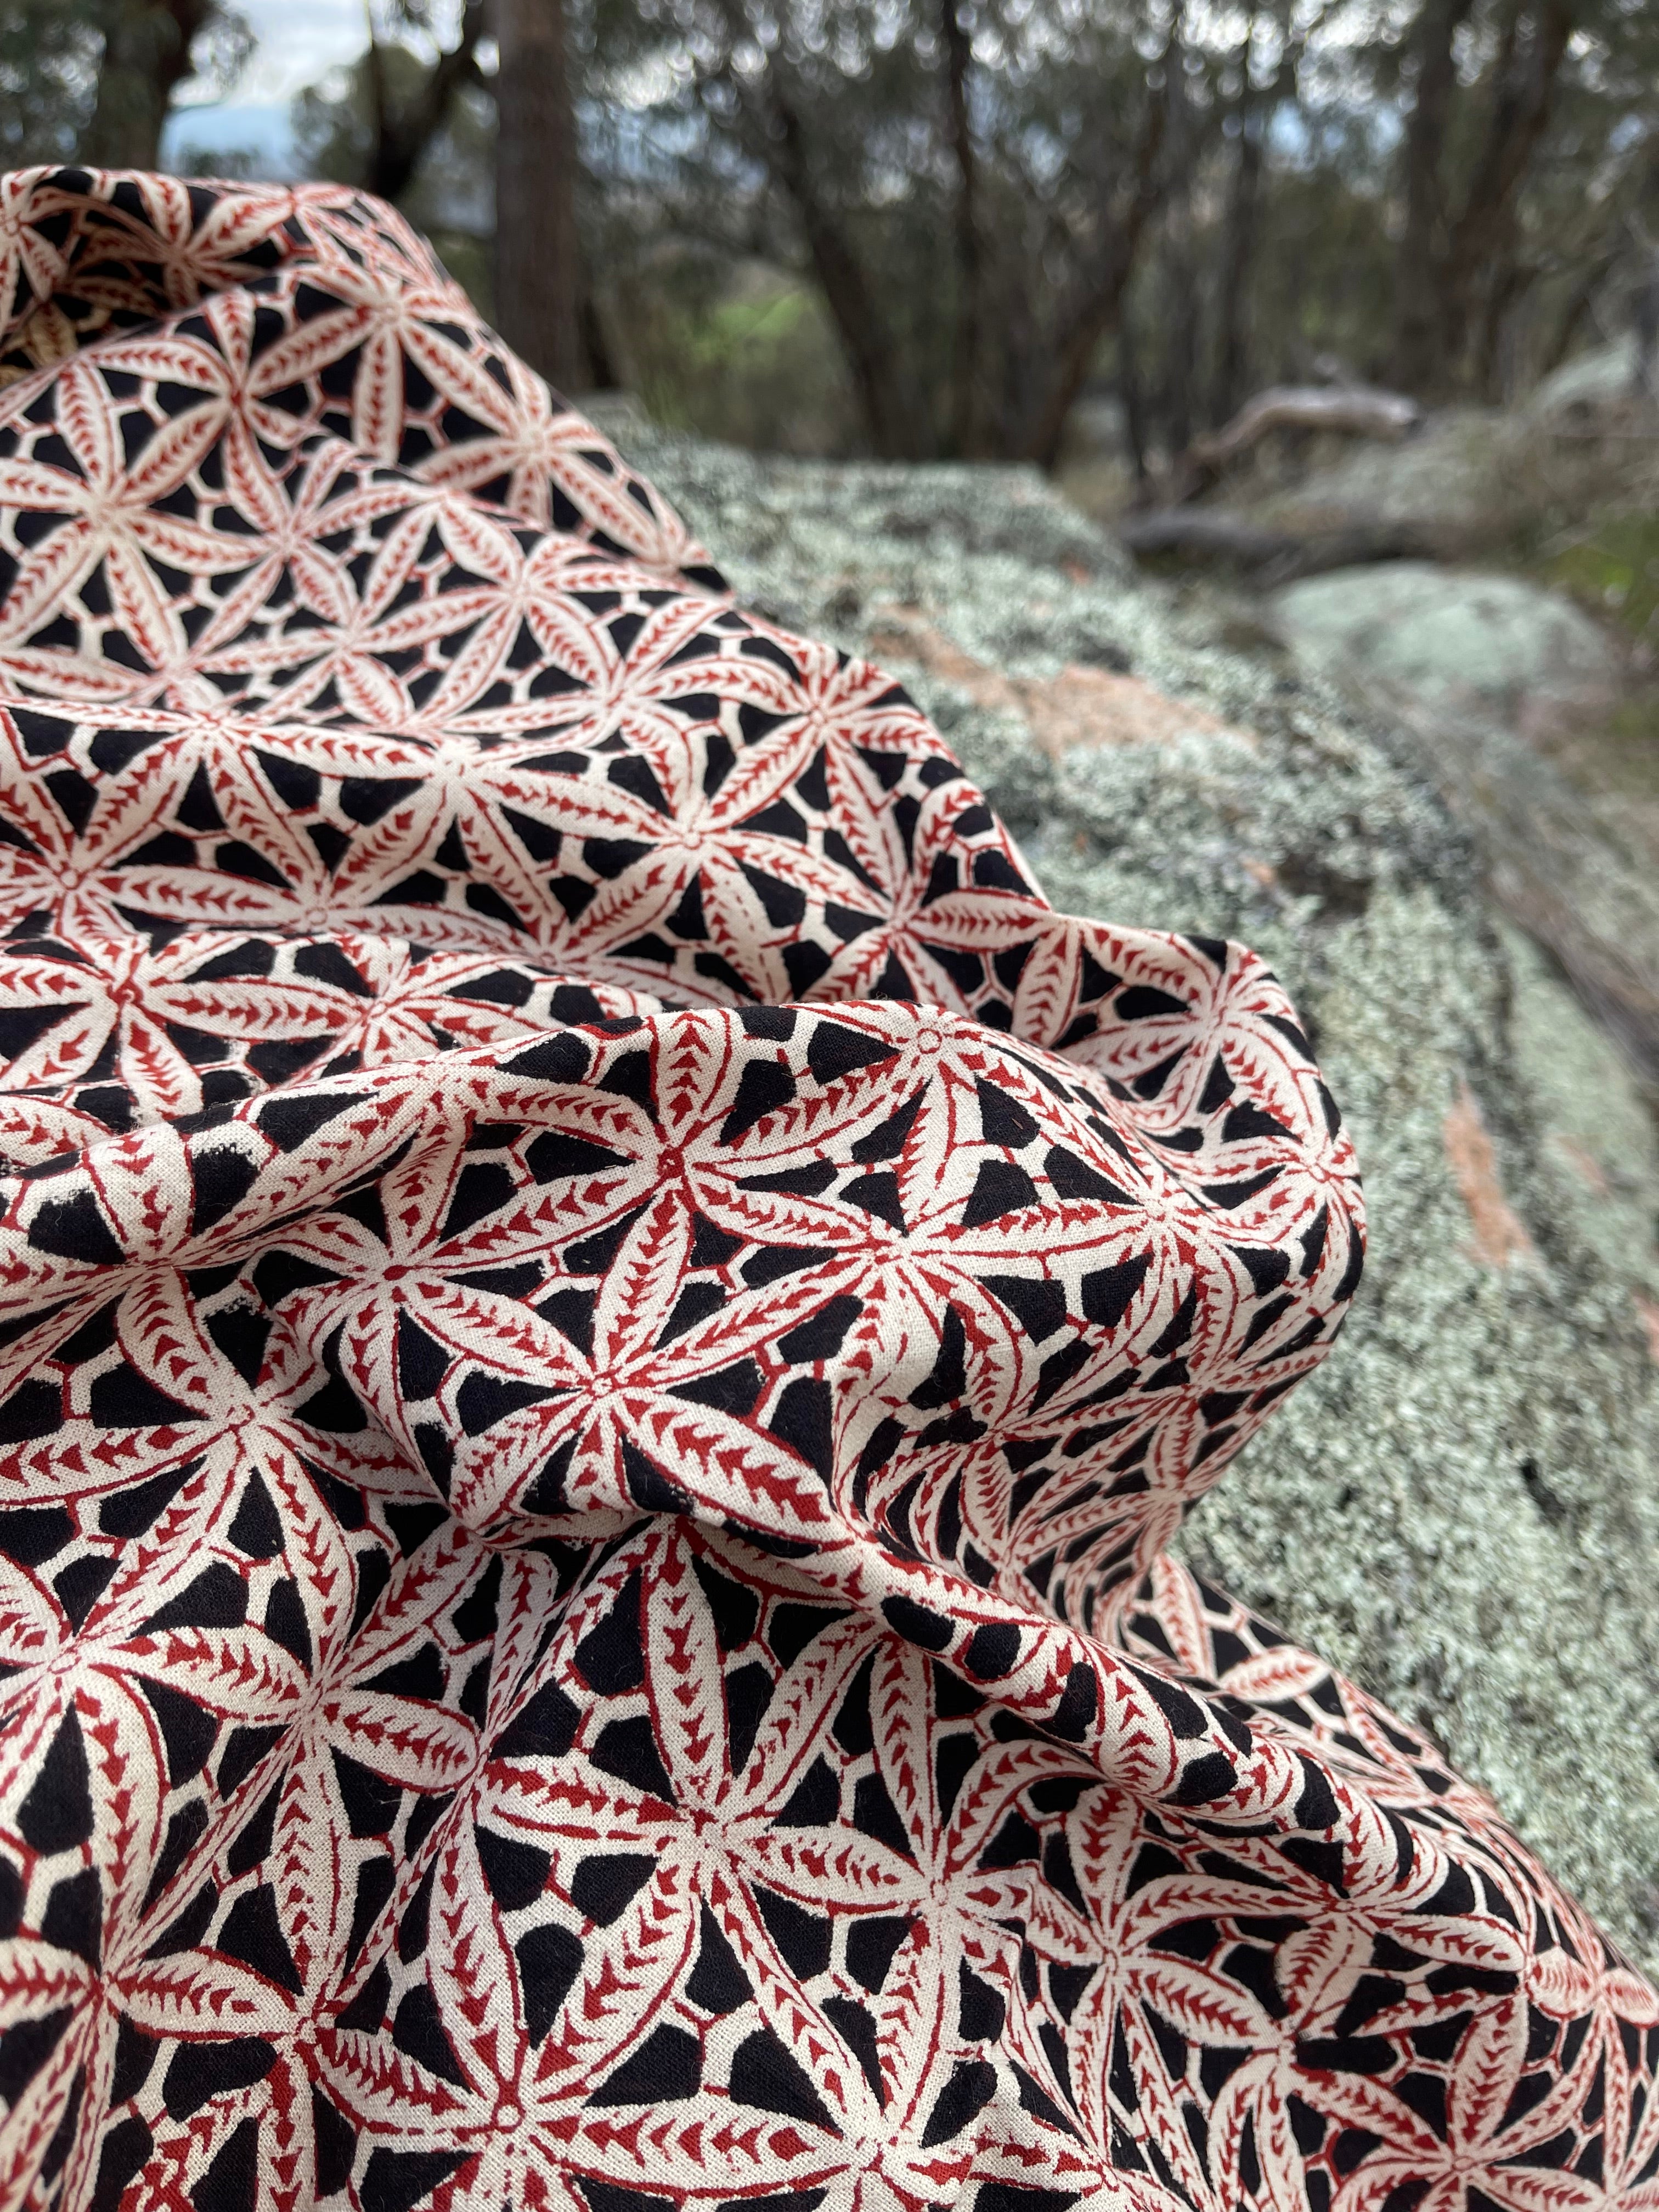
[298, 41]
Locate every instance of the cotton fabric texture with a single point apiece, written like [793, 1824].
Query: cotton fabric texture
[604, 1319]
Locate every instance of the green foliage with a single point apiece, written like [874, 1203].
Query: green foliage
[333, 124]
[1324, 269]
[725, 140]
[49, 51]
[765, 129]
[1614, 571]
[747, 360]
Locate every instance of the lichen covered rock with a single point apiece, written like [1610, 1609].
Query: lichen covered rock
[1462, 1508]
[1458, 635]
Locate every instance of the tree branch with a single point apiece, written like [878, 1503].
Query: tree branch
[780, 143]
[401, 136]
[1093, 312]
[146, 57]
[1521, 110]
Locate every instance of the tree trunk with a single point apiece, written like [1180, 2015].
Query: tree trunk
[1241, 228]
[1521, 110]
[601, 360]
[538, 281]
[967, 369]
[1238, 235]
[1134, 411]
[1179, 272]
[1022, 356]
[866, 339]
[1574, 309]
[1093, 312]
[1644, 326]
[147, 46]
[1507, 287]
[1418, 353]
[401, 136]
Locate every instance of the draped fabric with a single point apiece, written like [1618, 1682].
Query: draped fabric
[604, 1319]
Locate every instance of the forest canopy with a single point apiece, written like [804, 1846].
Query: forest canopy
[934, 227]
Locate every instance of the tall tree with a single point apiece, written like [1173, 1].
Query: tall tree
[1177, 264]
[1096, 293]
[957, 193]
[966, 397]
[1459, 232]
[146, 57]
[1417, 300]
[879, 368]
[1254, 110]
[413, 121]
[1481, 247]
[538, 280]
[855, 124]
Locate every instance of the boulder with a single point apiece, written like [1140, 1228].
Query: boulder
[1453, 637]
[1487, 671]
[1446, 480]
[1461, 1508]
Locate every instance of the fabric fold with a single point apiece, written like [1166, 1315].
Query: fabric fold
[604, 1319]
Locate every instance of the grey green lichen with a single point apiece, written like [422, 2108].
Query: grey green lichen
[1461, 1509]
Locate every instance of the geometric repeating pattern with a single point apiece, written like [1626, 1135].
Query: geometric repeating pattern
[603, 1320]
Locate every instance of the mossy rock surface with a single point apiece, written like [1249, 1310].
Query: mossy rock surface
[1497, 640]
[1461, 1507]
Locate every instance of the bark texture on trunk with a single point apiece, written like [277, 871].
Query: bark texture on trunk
[146, 56]
[538, 278]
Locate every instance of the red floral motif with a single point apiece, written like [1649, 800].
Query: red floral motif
[604, 1319]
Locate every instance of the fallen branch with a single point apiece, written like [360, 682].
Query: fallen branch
[1269, 556]
[1357, 410]
[1354, 411]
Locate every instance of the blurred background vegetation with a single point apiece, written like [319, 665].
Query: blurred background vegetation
[1078, 234]
[927, 228]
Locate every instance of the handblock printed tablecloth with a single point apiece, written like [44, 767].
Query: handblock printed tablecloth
[603, 1318]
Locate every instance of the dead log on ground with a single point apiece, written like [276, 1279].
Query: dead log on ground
[1354, 411]
[1268, 557]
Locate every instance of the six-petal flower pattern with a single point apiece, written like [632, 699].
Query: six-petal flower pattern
[603, 1320]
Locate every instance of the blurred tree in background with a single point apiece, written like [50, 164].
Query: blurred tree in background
[49, 58]
[150, 47]
[94, 80]
[921, 227]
